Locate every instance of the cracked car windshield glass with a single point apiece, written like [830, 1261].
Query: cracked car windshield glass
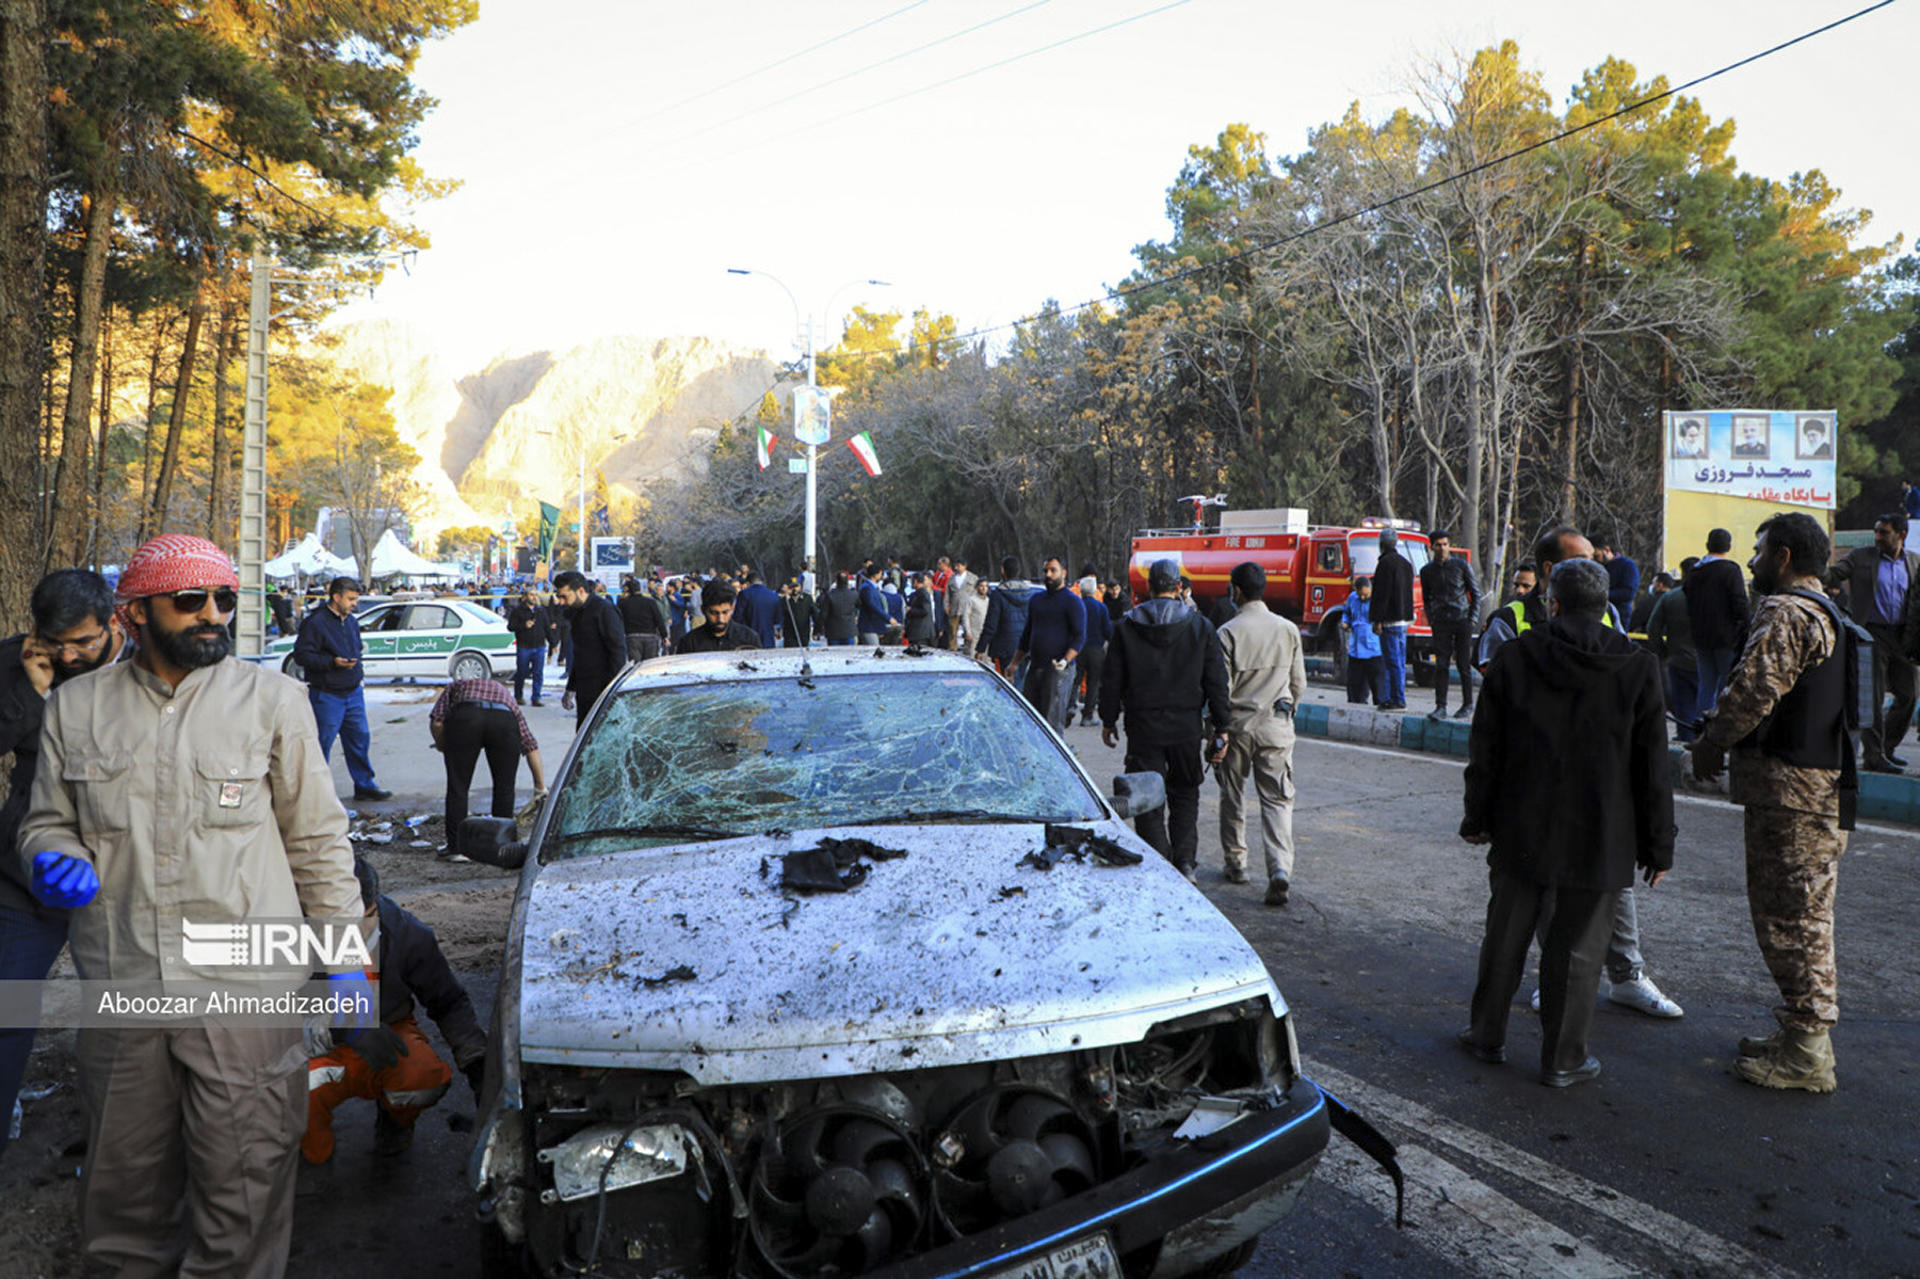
[748, 756]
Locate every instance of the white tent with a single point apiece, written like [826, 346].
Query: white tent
[392, 558]
[310, 559]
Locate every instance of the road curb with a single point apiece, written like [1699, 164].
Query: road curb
[1884, 797]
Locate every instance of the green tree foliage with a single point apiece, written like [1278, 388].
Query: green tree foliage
[1399, 319]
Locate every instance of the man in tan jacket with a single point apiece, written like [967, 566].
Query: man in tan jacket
[1267, 674]
[185, 787]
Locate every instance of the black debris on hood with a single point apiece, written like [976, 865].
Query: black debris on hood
[1079, 843]
[1010, 890]
[812, 870]
[680, 973]
[847, 851]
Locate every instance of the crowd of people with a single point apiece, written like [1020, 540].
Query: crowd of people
[174, 773]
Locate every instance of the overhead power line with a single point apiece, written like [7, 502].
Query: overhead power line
[991, 66]
[1269, 245]
[777, 63]
[857, 71]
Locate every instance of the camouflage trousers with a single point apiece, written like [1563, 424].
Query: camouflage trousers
[1793, 864]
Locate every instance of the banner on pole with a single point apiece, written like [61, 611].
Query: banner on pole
[764, 447]
[813, 414]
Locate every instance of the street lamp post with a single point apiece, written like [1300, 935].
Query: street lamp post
[808, 577]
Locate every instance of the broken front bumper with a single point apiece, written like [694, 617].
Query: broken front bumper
[1171, 1215]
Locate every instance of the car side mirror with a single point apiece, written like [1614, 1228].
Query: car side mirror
[1137, 793]
[493, 840]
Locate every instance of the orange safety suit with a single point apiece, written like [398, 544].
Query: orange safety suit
[404, 1089]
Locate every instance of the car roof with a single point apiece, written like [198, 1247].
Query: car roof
[786, 663]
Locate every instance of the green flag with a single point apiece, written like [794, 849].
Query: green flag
[549, 524]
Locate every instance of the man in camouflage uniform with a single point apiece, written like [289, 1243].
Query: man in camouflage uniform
[1783, 715]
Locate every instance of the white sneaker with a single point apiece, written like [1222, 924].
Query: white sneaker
[1642, 995]
[1534, 1003]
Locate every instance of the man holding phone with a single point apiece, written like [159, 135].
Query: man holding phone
[73, 632]
[328, 650]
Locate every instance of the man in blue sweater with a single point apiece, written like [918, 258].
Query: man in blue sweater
[873, 607]
[328, 652]
[1623, 575]
[1054, 634]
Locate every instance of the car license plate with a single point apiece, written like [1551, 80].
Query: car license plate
[1086, 1259]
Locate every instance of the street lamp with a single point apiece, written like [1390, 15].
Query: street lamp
[808, 578]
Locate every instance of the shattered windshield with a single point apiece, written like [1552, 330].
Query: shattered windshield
[747, 756]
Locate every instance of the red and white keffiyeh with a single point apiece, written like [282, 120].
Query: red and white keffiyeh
[174, 562]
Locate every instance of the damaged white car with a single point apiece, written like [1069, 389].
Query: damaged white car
[837, 963]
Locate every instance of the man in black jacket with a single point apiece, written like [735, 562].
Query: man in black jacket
[840, 611]
[393, 1063]
[531, 629]
[599, 643]
[73, 633]
[645, 626]
[1165, 668]
[1391, 613]
[719, 633]
[1568, 779]
[1717, 608]
[796, 616]
[1453, 605]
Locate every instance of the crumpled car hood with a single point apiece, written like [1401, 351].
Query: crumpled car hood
[693, 958]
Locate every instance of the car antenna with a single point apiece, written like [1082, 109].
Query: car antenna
[806, 663]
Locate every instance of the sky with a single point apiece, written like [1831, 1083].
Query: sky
[982, 156]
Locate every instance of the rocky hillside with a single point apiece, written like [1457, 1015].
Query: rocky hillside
[639, 409]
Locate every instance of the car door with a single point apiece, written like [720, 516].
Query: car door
[378, 628]
[427, 639]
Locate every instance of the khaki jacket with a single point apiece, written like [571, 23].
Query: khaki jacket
[1264, 663]
[211, 803]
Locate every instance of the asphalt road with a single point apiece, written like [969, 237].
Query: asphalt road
[1665, 1165]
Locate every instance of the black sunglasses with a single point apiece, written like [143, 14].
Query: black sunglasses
[224, 599]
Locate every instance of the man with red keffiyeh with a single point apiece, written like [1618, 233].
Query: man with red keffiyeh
[184, 787]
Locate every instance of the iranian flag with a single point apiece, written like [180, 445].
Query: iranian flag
[767, 440]
[862, 446]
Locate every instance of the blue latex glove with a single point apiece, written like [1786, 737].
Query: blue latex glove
[61, 879]
[355, 986]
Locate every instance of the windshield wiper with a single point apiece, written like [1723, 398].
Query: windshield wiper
[954, 815]
[655, 828]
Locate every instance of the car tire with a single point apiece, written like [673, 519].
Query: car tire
[470, 666]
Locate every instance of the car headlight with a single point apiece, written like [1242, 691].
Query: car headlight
[616, 1156]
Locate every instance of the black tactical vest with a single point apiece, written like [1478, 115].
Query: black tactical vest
[1808, 727]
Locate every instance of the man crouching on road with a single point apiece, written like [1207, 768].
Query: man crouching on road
[184, 785]
[1568, 780]
[392, 1062]
[1783, 711]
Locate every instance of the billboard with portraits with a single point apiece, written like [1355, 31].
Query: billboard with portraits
[1781, 457]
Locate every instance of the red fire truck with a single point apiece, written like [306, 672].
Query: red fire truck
[1309, 568]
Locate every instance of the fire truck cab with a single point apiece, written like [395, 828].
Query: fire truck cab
[1310, 568]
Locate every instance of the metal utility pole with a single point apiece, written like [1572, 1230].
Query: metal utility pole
[808, 576]
[253, 464]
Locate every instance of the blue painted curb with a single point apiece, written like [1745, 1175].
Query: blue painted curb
[1884, 797]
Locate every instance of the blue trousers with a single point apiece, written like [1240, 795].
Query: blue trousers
[1393, 663]
[837, 643]
[344, 715]
[1683, 699]
[530, 661]
[29, 943]
[1715, 665]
